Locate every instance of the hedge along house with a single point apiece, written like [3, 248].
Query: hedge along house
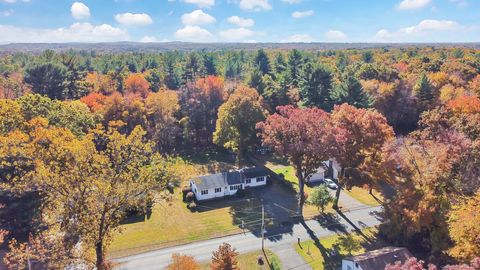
[218, 185]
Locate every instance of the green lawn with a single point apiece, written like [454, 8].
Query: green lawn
[171, 223]
[362, 195]
[317, 256]
[249, 261]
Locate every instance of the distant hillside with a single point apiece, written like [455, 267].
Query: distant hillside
[119, 47]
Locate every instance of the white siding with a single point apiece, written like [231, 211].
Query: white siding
[211, 194]
[254, 181]
[350, 265]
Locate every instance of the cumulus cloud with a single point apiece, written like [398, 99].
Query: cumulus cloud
[425, 27]
[77, 32]
[237, 34]
[412, 4]
[80, 11]
[197, 17]
[134, 19]
[298, 38]
[241, 22]
[335, 35]
[302, 14]
[201, 3]
[148, 39]
[193, 33]
[255, 5]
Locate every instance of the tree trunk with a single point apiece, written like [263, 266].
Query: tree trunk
[240, 154]
[100, 256]
[370, 190]
[301, 190]
[339, 188]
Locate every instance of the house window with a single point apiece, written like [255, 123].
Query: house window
[248, 181]
[260, 179]
[218, 190]
[205, 192]
[237, 187]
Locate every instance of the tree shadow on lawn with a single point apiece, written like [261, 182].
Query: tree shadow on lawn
[330, 261]
[246, 212]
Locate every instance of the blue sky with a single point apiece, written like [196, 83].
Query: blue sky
[240, 20]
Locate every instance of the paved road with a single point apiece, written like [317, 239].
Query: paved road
[277, 240]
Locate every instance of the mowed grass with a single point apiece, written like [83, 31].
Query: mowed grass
[362, 195]
[249, 261]
[317, 257]
[171, 222]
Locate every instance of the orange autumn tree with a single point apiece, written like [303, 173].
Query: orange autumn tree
[183, 262]
[465, 104]
[94, 101]
[366, 131]
[464, 229]
[225, 258]
[136, 84]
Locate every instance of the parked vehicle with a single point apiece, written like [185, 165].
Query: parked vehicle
[329, 183]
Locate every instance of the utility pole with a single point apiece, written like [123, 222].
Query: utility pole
[263, 228]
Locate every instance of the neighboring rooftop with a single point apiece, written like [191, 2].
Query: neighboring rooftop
[378, 259]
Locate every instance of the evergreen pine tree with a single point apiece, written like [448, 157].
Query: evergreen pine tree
[315, 87]
[350, 91]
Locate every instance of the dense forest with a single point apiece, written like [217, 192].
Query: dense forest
[75, 127]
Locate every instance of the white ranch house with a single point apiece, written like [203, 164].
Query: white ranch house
[218, 185]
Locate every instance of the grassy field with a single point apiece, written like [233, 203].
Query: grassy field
[317, 255]
[249, 261]
[171, 222]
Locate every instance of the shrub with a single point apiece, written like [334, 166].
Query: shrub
[185, 191]
[192, 205]
[190, 197]
[260, 260]
[241, 193]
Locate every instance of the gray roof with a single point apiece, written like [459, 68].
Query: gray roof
[217, 180]
[254, 172]
[378, 259]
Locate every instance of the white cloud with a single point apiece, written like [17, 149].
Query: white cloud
[201, 3]
[77, 32]
[412, 4]
[236, 33]
[425, 27]
[197, 17]
[7, 13]
[298, 38]
[255, 5]
[241, 22]
[147, 39]
[335, 35]
[137, 19]
[193, 33]
[80, 11]
[302, 14]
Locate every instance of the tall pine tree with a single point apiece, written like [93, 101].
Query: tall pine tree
[315, 87]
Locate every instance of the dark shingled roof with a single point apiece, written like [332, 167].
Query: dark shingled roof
[254, 172]
[378, 259]
[217, 180]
